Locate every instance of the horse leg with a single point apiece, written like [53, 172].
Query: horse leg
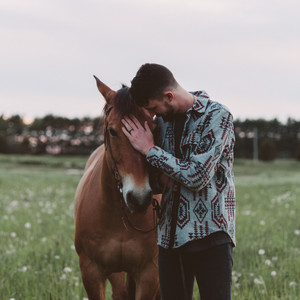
[118, 285]
[93, 280]
[130, 287]
[147, 284]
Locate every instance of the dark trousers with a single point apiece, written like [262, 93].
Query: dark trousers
[212, 269]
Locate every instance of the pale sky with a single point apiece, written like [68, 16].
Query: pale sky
[243, 53]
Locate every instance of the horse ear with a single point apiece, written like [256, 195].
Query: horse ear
[107, 93]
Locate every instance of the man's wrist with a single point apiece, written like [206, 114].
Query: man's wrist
[148, 149]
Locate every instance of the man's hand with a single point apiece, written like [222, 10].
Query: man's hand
[140, 138]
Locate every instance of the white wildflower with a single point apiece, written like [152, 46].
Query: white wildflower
[262, 223]
[261, 252]
[57, 257]
[27, 225]
[44, 239]
[14, 203]
[67, 270]
[258, 281]
[297, 231]
[24, 269]
[63, 276]
[273, 273]
[13, 234]
[268, 262]
[292, 283]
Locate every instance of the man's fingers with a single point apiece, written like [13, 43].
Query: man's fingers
[127, 126]
[147, 128]
[125, 130]
[130, 121]
[136, 121]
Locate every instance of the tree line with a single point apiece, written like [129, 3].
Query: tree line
[56, 135]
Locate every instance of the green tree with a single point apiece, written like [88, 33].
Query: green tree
[15, 124]
[3, 143]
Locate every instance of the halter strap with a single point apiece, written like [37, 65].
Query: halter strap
[108, 145]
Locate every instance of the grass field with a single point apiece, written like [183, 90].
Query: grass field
[37, 256]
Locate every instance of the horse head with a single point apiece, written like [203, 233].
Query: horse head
[129, 164]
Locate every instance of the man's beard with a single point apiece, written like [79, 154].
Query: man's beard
[169, 115]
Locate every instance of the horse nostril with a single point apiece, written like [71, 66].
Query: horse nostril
[132, 202]
[138, 204]
[129, 197]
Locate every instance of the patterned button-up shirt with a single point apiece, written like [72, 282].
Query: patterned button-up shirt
[205, 174]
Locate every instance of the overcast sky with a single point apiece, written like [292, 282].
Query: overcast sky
[244, 54]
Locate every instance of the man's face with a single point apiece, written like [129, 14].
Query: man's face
[161, 108]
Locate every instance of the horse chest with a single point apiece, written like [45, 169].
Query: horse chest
[114, 255]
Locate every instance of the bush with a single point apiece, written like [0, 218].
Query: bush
[267, 150]
[3, 144]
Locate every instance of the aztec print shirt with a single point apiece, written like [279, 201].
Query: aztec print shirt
[205, 174]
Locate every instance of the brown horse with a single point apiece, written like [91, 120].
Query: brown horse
[106, 244]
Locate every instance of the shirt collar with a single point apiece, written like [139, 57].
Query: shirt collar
[200, 103]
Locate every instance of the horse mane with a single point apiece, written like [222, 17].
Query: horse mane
[123, 103]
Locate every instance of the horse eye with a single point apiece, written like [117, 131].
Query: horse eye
[112, 132]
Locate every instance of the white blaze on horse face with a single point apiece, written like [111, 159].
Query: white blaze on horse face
[137, 197]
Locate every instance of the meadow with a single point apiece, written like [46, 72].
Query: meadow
[37, 255]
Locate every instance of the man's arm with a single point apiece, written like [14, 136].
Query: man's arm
[196, 172]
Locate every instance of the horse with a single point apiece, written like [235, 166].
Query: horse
[112, 211]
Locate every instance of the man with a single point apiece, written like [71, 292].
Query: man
[193, 146]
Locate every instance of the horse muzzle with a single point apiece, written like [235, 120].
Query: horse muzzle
[138, 202]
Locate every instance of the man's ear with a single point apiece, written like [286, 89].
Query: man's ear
[169, 96]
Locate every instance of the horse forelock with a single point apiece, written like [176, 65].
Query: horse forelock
[123, 103]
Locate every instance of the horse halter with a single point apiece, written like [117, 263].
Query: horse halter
[125, 218]
[108, 145]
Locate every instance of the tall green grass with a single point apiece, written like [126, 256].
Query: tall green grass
[267, 256]
[37, 256]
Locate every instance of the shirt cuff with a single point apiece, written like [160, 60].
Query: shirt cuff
[151, 152]
[154, 157]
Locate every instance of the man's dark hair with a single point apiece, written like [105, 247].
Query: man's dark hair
[150, 82]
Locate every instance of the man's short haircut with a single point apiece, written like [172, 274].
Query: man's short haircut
[150, 81]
